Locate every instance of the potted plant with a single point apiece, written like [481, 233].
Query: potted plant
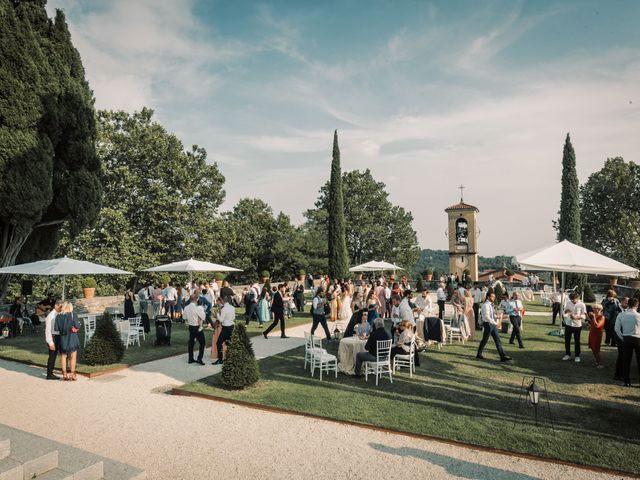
[301, 274]
[218, 277]
[509, 273]
[613, 280]
[358, 275]
[428, 274]
[635, 283]
[89, 287]
[264, 276]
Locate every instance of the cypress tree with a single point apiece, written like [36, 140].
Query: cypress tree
[337, 236]
[240, 368]
[569, 221]
[105, 347]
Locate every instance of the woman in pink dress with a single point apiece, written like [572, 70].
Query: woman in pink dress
[382, 302]
[468, 312]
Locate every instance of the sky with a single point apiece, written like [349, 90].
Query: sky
[427, 95]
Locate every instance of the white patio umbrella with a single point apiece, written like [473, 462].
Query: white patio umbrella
[375, 266]
[62, 267]
[191, 266]
[569, 257]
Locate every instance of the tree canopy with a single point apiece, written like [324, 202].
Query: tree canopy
[375, 228]
[47, 133]
[610, 216]
[336, 230]
[569, 219]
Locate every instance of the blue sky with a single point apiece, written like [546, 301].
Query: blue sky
[427, 95]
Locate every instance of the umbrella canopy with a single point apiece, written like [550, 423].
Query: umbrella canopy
[568, 257]
[375, 266]
[192, 265]
[62, 266]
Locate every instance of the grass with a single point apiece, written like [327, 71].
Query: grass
[454, 396]
[30, 348]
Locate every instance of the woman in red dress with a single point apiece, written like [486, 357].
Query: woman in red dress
[596, 325]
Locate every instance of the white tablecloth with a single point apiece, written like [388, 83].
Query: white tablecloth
[347, 351]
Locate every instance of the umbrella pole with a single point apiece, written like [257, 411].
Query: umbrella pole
[63, 286]
[562, 304]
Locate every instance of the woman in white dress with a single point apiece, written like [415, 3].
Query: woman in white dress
[345, 311]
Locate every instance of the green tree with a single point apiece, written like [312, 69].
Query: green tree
[336, 231]
[47, 134]
[375, 228]
[105, 347]
[160, 201]
[569, 219]
[609, 211]
[240, 368]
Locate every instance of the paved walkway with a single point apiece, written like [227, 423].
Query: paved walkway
[128, 417]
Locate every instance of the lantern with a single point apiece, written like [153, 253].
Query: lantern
[534, 393]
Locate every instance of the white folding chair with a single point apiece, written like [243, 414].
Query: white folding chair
[454, 330]
[382, 363]
[89, 322]
[324, 361]
[129, 336]
[309, 350]
[136, 324]
[406, 360]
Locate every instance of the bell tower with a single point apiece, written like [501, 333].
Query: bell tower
[463, 237]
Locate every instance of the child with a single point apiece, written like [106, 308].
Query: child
[596, 322]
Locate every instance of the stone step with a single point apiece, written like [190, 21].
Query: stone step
[5, 448]
[11, 469]
[92, 472]
[40, 464]
[55, 474]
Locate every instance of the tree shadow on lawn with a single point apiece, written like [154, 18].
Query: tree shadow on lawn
[488, 400]
[453, 466]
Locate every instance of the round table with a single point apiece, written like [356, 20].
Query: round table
[420, 327]
[347, 351]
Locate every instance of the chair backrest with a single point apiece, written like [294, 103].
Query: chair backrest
[307, 340]
[383, 350]
[89, 322]
[123, 326]
[135, 322]
[316, 342]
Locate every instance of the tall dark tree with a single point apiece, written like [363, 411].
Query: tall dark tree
[337, 237]
[48, 164]
[569, 221]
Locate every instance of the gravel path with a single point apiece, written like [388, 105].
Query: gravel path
[127, 417]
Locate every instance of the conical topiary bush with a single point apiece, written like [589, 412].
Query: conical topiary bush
[105, 347]
[240, 368]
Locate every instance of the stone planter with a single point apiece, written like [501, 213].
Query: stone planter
[89, 292]
[428, 277]
[264, 280]
[613, 280]
[510, 279]
[635, 284]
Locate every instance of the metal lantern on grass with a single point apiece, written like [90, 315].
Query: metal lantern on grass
[532, 391]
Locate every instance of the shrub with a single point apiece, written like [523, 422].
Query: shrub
[240, 369]
[105, 347]
[301, 273]
[89, 282]
[508, 272]
[419, 285]
[265, 274]
[588, 294]
[165, 278]
[499, 291]
[219, 276]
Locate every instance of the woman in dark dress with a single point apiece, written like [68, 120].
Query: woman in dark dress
[129, 311]
[68, 325]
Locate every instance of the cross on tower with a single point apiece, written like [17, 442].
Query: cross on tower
[461, 187]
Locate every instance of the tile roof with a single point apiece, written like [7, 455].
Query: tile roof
[461, 206]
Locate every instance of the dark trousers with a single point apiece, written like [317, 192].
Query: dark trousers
[555, 308]
[225, 334]
[196, 334]
[362, 357]
[619, 374]
[53, 354]
[278, 316]
[490, 330]
[320, 320]
[168, 309]
[299, 304]
[440, 309]
[629, 346]
[476, 313]
[575, 332]
[516, 323]
[609, 332]
[252, 310]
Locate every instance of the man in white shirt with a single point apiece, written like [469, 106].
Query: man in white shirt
[514, 310]
[194, 316]
[476, 293]
[424, 304]
[227, 319]
[387, 299]
[169, 293]
[627, 327]
[575, 313]
[405, 310]
[52, 337]
[490, 329]
[441, 298]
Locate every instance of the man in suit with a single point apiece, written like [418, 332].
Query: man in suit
[490, 329]
[52, 337]
[277, 308]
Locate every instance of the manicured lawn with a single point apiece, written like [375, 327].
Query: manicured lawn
[30, 348]
[454, 396]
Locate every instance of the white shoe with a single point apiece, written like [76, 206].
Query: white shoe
[577, 360]
[566, 357]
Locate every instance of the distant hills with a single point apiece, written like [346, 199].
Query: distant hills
[438, 260]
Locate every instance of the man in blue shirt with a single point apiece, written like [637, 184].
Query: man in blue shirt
[490, 329]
